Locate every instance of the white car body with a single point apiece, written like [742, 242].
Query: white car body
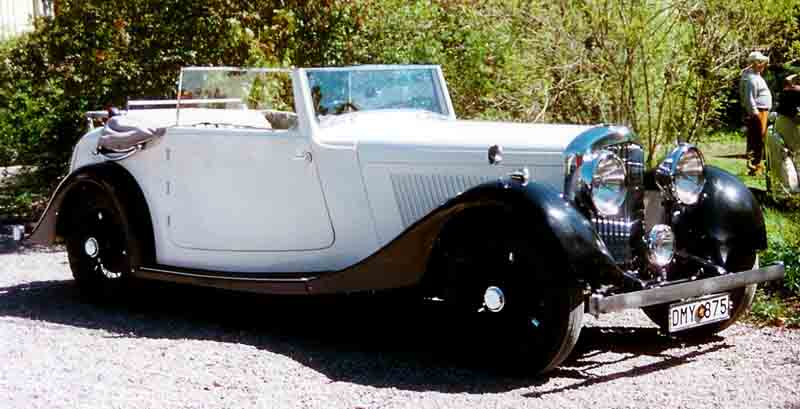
[357, 179]
[250, 200]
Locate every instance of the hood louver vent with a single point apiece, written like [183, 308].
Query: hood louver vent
[418, 194]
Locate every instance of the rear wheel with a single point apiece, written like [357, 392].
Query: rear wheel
[101, 248]
[741, 298]
[503, 290]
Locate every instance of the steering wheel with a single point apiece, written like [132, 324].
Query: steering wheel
[346, 107]
[423, 103]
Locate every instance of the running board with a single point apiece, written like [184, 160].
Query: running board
[257, 282]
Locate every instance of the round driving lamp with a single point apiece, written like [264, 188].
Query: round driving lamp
[493, 299]
[660, 245]
[608, 183]
[681, 176]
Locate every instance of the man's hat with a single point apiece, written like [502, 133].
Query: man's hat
[757, 56]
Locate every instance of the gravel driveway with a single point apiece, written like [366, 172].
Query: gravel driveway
[180, 347]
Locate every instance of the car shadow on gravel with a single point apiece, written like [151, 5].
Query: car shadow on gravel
[628, 344]
[376, 341]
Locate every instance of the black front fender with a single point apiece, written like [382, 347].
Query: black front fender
[728, 218]
[542, 211]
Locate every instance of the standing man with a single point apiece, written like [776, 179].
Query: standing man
[756, 101]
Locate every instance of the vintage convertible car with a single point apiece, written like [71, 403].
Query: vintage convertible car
[357, 179]
[781, 176]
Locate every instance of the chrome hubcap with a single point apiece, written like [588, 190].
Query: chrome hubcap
[90, 247]
[493, 299]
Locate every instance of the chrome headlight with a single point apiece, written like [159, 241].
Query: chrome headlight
[601, 179]
[680, 175]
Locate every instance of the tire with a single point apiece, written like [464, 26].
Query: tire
[542, 346]
[741, 298]
[541, 320]
[101, 248]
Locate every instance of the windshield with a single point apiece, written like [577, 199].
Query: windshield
[340, 90]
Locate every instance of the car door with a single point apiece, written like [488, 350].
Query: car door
[233, 184]
[244, 190]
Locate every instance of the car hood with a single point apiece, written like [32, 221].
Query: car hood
[414, 136]
[412, 162]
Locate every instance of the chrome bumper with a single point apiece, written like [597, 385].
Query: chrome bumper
[599, 304]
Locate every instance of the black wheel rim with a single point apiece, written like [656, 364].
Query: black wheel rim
[99, 244]
[531, 310]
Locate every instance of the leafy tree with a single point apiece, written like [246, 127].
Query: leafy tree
[662, 67]
[94, 54]
[665, 67]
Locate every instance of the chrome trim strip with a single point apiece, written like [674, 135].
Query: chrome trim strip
[222, 276]
[159, 102]
[599, 304]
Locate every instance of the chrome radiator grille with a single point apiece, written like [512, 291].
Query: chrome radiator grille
[619, 232]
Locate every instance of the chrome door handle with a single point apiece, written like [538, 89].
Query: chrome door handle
[305, 155]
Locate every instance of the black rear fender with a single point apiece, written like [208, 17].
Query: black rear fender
[109, 178]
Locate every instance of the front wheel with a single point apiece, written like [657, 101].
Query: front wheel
[741, 298]
[100, 245]
[533, 324]
[544, 329]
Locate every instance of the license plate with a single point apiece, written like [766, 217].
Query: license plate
[699, 311]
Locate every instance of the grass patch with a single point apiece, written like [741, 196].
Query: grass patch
[726, 150]
[772, 309]
[776, 303]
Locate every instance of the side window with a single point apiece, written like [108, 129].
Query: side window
[271, 94]
[234, 98]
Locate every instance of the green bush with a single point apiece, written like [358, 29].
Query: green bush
[95, 54]
[790, 255]
[783, 241]
[664, 70]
